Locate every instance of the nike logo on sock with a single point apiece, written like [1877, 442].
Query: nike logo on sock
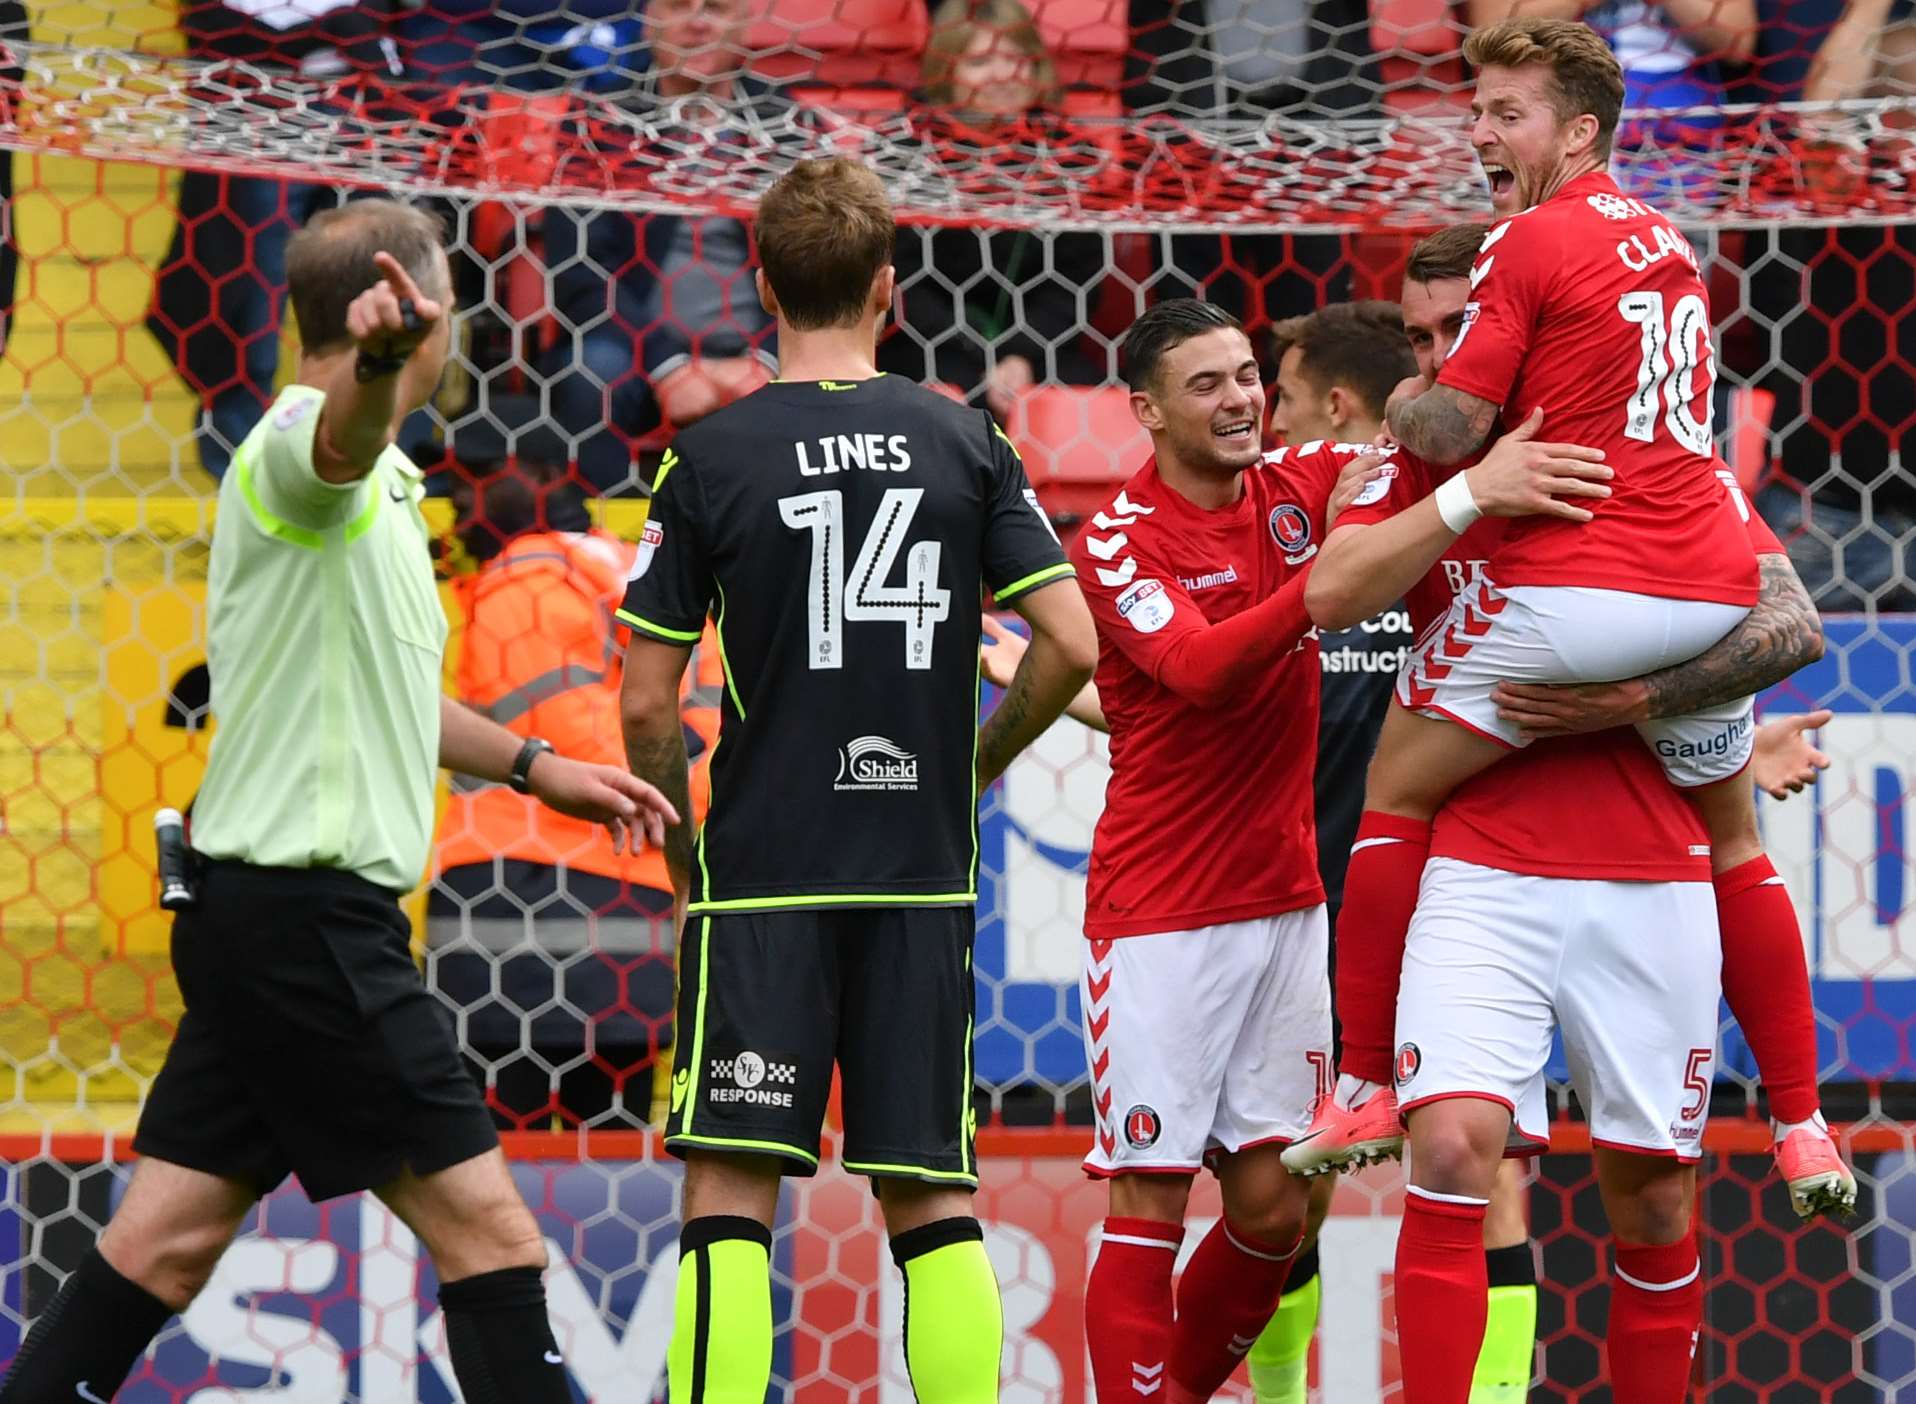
[554, 1358]
[83, 1392]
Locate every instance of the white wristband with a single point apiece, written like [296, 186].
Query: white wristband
[1456, 505]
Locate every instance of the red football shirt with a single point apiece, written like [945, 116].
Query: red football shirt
[1589, 306]
[1207, 814]
[1591, 807]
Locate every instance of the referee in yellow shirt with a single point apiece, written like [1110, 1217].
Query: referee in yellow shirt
[309, 1044]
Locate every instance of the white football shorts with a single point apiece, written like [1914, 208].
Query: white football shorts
[1630, 971]
[1209, 1040]
[1562, 634]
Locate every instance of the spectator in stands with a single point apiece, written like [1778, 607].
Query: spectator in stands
[1792, 36]
[991, 312]
[1301, 57]
[555, 953]
[219, 290]
[525, 44]
[661, 311]
[1676, 54]
[1841, 359]
[13, 25]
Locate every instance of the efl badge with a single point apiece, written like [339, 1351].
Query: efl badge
[1291, 530]
[1141, 1127]
[649, 540]
[1409, 1060]
[1146, 606]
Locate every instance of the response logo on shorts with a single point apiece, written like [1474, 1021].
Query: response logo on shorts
[1291, 530]
[1409, 1059]
[755, 1081]
[1141, 1127]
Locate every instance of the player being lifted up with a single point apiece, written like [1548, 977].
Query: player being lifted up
[1765, 979]
[1522, 927]
[1206, 1002]
[841, 526]
[1587, 305]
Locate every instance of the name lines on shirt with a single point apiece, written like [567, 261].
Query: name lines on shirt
[841, 453]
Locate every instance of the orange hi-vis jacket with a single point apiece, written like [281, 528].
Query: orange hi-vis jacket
[542, 656]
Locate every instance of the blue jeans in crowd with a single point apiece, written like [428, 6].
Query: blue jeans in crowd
[1848, 561]
[602, 400]
[218, 297]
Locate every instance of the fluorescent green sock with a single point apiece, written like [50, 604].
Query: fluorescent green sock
[1280, 1361]
[1510, 1331]
[954, 1322]
[721, 1351]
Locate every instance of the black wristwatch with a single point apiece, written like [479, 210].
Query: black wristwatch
[521, 777]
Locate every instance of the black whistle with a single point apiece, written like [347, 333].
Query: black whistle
[177, 892]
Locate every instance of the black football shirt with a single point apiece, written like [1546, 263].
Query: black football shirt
[841, 535]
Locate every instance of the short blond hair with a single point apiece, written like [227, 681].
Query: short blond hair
[1586, 74]
[955, 22]
[825, 232]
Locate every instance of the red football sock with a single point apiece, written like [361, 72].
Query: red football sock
[1767, 984]
[1226, 1298]
[1380, 893]
[1656, 1310]
[1127, 1309]
[1443, 1295]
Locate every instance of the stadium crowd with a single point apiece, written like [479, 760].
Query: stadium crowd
[632, 326]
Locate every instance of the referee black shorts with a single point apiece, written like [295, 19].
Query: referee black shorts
[769, 1001]
[309, 1045]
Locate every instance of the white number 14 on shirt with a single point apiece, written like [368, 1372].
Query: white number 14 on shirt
[919, 604]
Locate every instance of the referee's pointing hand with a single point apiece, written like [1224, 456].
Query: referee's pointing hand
[605, 795]
[392, 317]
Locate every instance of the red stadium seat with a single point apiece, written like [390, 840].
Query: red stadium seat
[856, 42]
[1093, 102]
[1072, 434]
[1747, 446]
[1418, 47]
[1088, 40]
[1078, 445]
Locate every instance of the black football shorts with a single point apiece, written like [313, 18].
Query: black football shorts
[769, 1001]
[309, 1044]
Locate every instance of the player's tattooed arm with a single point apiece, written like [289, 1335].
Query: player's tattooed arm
[1056, 665]
[655, 742]
[662, 762]
[1443, 425]
[1780, 634]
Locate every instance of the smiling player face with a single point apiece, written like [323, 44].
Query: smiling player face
[1206, 406]
[1525, 150]
[1433, 320]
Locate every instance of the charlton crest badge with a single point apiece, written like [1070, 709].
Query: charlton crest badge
[1409, 1060]
[1291, 530]
[1141, 1127]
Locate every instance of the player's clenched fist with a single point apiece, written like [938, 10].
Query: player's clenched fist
[392, 317]
[1521, 477]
